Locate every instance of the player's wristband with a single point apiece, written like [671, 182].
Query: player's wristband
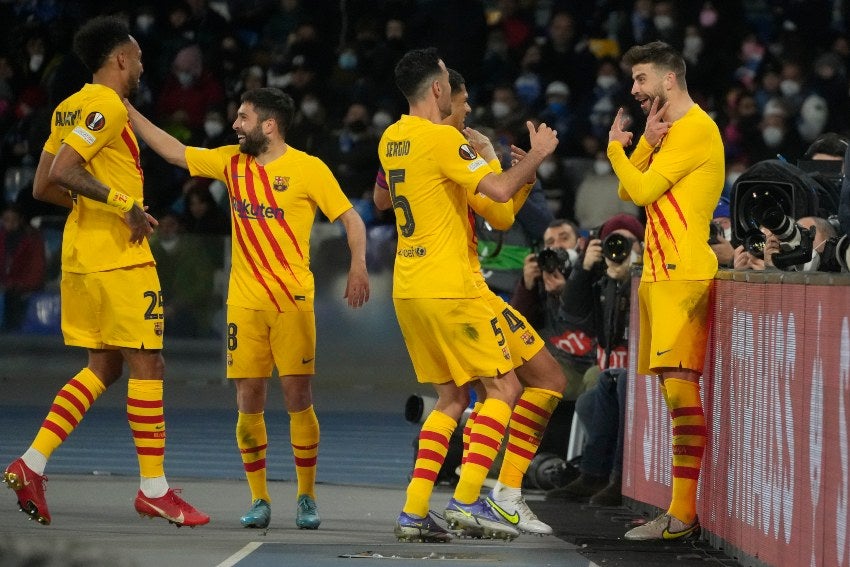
[120, 201]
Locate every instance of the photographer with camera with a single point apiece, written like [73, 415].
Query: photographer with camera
[539, 297]
[807, 245]
[597, 296]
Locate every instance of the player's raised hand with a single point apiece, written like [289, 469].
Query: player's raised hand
[543, 138]
[617, 132]
[656, 127]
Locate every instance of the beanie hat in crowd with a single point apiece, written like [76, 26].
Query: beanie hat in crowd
[622, 221]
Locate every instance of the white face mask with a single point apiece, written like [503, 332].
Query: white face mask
[309, 108]
[772, 136]
[789, 87]
[663, 22]
[606, 81]
[602, 167]
[731, 178]
[546, 169]
[36, 59]
[693, 45]
[144, 22]
[727, 233]
[500, 109]
[813, 264]
[185, 79]
[381, 120]
[213, 128]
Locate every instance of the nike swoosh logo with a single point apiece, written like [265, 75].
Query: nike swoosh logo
[464, 512]
[306, 360]
[667, 534]
[177, 520]
[512, 518]
[660, 352]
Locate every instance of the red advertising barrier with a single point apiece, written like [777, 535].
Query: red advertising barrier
[775, 483]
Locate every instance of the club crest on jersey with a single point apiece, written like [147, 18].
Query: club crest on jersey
[466, 152]
[157, 328]
[95, 121]
[280, 183]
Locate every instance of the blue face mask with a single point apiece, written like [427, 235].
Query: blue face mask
[557, 107]
[347, 61]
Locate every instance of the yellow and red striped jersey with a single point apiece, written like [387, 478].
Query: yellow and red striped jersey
[691, 158]
[272, 209]
[93, 121]
[428, 169]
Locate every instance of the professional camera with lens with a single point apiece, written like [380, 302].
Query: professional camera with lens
[836, 255]
[773, 194]
[767, 210]
[617, 247]
[557, 260]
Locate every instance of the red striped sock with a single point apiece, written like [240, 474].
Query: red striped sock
[147, 422]
[689, 438]
[252, 441]
[433, 447]
[69, 407]
[304, 437]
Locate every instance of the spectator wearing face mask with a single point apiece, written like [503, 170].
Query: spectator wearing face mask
[216, 131]
[596, 199]
[189, 90]
[559, 113]
[607, 95]
[351, 152]
[778, 134]
[309, 130]
[558, 187]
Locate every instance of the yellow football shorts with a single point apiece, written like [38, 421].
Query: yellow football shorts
[452, 339]
[674, 325]
[117, 308]
[259, 341]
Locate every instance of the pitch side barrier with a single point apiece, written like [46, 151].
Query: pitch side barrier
[775, 482]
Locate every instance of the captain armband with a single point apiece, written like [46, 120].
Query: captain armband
[120, 201]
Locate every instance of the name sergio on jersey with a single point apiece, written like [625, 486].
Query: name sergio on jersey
[396, 149]
[251, 211]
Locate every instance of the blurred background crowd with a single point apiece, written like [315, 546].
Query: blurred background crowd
[772, 73]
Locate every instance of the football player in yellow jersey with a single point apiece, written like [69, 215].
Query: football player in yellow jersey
[676, 173]
[111, 298]
[451, 332]
[274, 192]
[539, 373]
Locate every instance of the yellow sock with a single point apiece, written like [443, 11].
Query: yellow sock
[433, 447]
[689, 437]
[252, 442]
[147, 422]
[528, 421]
[467, 428]
[484, 442]
[69, 407]
[304, 436]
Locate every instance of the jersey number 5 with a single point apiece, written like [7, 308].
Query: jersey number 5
[394, 177]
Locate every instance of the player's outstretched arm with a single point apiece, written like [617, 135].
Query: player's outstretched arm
[167, 146]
